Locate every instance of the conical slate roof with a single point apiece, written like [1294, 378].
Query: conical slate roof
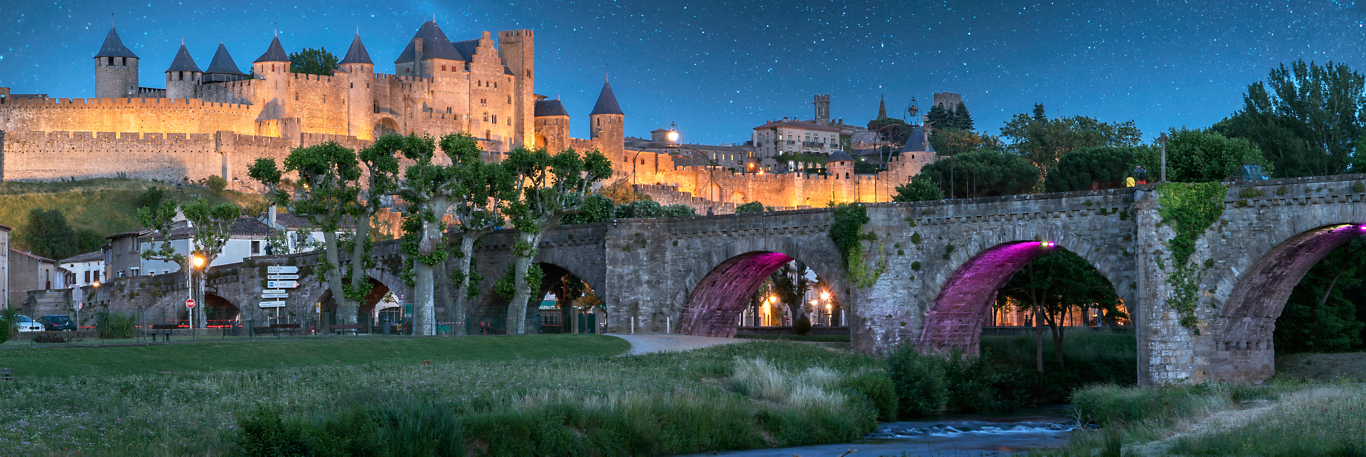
[183, 61]
[222, 63]
[274, 53]
[917, 142]
[435, 45]
[113, 46]
[607, 102]
[357, 53]
[550, 107]
[839, 156]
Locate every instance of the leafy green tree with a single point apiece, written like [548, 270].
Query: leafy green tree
[210, 227]
[151, 198]
[984, 173]
[1200, 156]
[895, 130]
[595, 208]
[1102, 168]
[313, 61]
[943, 118]
[921, 188]
[1053, 285]
[650, 209]
[789, 284]
[1321, 314]
[89, 240]
[548, 187]
[1044, 141]
[1307, 119]
[954, 141]
[47, 234]
[339, 192]
[751, 207]
[215, 182]
[477, 190]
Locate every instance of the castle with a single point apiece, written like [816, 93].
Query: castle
[219, 120]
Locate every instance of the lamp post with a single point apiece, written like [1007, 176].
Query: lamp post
[825, 297]
[1162, 140]
[197, 262]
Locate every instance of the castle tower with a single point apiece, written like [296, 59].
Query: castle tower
[427, 52]
[272, 69]
[607, 129]
[222, 67]
[519, 56]
[360, 100]
[552, 125]
[822, 109]
[182, 78]
[116, 69]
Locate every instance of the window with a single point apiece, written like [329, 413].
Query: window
[96, 275]
[87, 277]
[480, 84]
[255, 247]
[443, 68]
[509, 99]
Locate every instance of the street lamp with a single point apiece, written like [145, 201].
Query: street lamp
[672, 135]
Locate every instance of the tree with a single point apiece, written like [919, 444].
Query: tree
[547, 187]
[477, 190]
[1103, 167]
[894, 130]
[338, 191]
[650, 209]
[954, 141]
[921, 188]
[955, 117]
[1307, 119]
[313, 61]
[1200, 156]
[151, 198]
[209, 230]
[962, 118]
[789, 284]
[983, 173]
[1044, 141]
[47, 234]
[1051, 286]
[751, 207]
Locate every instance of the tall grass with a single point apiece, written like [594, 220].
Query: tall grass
[724, 397]
[1328, 420]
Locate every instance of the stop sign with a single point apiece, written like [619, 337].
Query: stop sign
[189, 303]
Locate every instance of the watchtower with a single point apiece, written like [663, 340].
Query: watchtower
[182, 78]
[116, 69]
[607, 125]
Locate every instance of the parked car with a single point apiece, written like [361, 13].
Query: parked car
[27, 324]
[58, 322]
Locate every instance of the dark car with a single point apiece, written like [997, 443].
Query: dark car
[58, 323]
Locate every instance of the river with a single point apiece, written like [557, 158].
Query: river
[947, 435]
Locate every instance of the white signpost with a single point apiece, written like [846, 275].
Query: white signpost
[282, 284]
[273, 304]
[280, 295]
[282, 270]
[282, 277]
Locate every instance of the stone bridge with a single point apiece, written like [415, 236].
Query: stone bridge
[944, 262]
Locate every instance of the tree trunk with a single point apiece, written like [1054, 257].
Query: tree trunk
[1056, 324]
[424, 297]
[1038, 336]
[516, 315]
[346, 309]
[350, 309]
[461, 310]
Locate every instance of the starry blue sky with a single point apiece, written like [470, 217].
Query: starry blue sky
[719, 68]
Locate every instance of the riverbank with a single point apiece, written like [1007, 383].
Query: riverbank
[736, 396]
[1275, 418]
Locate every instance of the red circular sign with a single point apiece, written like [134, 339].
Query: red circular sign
[189, 303]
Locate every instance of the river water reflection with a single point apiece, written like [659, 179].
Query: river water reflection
[948, 435]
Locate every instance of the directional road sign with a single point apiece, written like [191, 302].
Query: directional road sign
[282, 284]
[274, 295]
[282, 277]
[284, 270]
[272, 304]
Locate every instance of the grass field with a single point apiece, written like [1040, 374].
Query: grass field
[234, 355]
[105, 205]
[527, 395]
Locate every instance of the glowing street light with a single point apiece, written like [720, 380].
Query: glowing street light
[197, 261]
[825, 295]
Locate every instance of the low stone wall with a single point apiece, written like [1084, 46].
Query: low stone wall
[775, 331]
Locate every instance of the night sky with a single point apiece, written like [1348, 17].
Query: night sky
[719, 68]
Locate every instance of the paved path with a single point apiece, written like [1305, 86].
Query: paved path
[645, 343]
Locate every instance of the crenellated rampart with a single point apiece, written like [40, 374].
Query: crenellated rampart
[124, 115]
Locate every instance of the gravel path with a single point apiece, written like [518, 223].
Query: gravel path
[645, 343]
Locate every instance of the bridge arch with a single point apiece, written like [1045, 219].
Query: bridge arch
[722, 279]
[968, 284]
[1255, 288]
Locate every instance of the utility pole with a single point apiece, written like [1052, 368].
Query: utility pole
[1162, 140]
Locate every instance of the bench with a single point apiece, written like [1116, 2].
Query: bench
[7, 374]
[291, 328]
[262, 330]
[342, 328]
[165, 330]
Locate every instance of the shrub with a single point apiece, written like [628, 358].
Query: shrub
[880, 390]
[919, 380]
[803, 325]
[151, 198]
[111, 325]
[215, 182]
[46, 337]
[352, 432]
[751, 207]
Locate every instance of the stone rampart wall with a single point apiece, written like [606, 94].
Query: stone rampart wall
[124, 115]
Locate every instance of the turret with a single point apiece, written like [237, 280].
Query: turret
[360, 100]
[273, 68]
[429, 54]
[116, 69]
[182, 78]
[608, 130]
[551, 125]
[222, 67]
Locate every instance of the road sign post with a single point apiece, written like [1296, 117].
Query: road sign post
[189, 303]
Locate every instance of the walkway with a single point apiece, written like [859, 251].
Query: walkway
[645, 343]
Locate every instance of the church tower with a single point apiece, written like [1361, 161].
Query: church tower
[116, 69]
[607, 125]
[182, 78]
[360, 100]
